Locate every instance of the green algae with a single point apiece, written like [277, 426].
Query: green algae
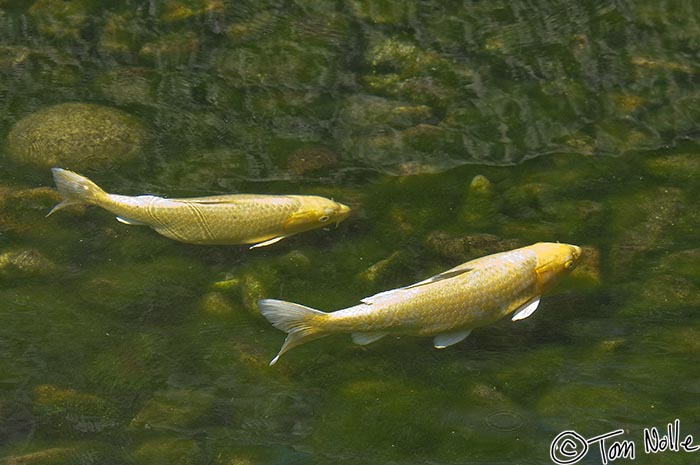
[84, 453]
[452, 132]
[164, 451]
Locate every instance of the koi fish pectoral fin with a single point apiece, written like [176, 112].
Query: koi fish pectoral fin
[267, 242]
[448, 339]
[131, 222]
[366, 338]
[526, 309]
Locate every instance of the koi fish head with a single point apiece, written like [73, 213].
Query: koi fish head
[554, 261]
[315, 212]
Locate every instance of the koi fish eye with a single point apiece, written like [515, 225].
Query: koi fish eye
[324, 218]
[569, 264]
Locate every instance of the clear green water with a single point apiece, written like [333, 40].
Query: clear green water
[118, 346]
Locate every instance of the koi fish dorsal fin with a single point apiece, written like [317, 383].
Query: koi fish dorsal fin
[224, 199]
[440, 277]
[386, 295]
[397, 292]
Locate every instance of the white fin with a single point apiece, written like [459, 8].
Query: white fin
[131, 222]
[227, 199]
[440, 277]
[447, 339]
[394, 293]
[366, 338]
[526, 309]
[296, 320]
[267, 242]
[382, 295]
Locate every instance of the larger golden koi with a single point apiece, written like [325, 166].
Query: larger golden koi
[447, 306]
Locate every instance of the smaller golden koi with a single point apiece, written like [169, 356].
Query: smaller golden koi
[447, 306]
[223, 219]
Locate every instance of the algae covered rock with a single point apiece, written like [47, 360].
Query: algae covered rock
[310, 160]
[77, 135]
[249, 286]
[22, 211]
[168, 451]
[71, 453]
[684, 167]
[175, 409]
[217, 304]
[383, 269]
[25, 263]
[61, 19]
[172, 49]
[643, 222]
[481, 207]
[469, 246]
[68, 410]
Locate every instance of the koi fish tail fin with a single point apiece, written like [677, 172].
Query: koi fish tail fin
[75, 189]
[302, 324]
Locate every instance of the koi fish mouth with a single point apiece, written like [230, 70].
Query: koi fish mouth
[341, 214]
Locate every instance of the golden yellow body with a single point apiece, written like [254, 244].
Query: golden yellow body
[447, 306]
[223, 219]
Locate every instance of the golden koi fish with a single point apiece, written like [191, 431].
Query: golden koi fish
[223, 219]
[447, 306]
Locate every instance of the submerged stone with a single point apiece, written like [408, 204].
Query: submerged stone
[174, 409]
[470, 246]
[480, 185]
[249, 285]
[481, 208]
[78, 136]
[295, 262]
[61, 19]
[371, 114]
[169, 451]
[80, 412]
[669, 293]
[72, 453]
[310, 159]
[156, 290]
[133, 368]
[679, 167]
[685, 263]
[410, 71]
[22, 211]
[254, 287]
[384, 11]
[382, 269]
[253, 27]
[25, 263]
[173, 49]
[216, 304]
[643, 222]
[128, 86]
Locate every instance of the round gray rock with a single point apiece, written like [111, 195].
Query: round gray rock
[77, 136]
